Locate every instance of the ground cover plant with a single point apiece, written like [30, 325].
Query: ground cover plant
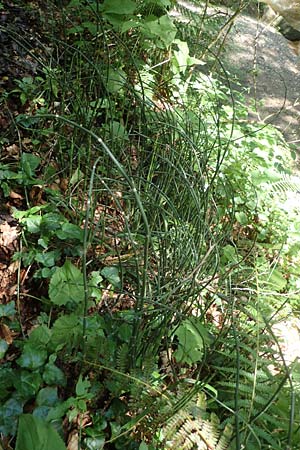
[148, 250]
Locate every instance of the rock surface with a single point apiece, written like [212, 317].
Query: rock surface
[289, 9]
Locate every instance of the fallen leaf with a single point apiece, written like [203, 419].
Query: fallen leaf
[13, 267]
[12, 150]
[5, 333]
[64, 183]
[73, 440]
[8, 234]
[15, 196]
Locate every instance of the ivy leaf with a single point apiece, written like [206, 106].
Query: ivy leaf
[70, 231]
[8, 309]
[35, 433]
[94, 443]
[47, 259]
[53, 374]
[66, 285]
[3, 348]
[32, 358]
[27, 383]
[9, 414]
[47, 397]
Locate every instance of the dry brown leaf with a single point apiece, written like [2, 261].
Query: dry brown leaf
[8, 234]
[73, 440]
[36, 194]
[15, 196]
[12, 150]
[64, 183]
[5, 333]
[13, 267]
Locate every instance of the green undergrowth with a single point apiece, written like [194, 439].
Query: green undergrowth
[158, 249]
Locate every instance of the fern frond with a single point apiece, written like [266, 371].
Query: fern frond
[287, 183]
[122, 358]
[192, 428]
[225, 438]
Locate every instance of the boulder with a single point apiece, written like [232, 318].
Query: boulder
[288, 9]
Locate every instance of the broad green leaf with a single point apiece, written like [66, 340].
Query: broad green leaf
[36, 434]
[27, 383]
[58, 411]
[47, 259]
[181, 56]
[242, 218]
[66, 331]
[192, 339]
[143, 446]
[42, 412]
[53, 375]
[46, 272]
[47, 397]
[3, 348]
[116, 78]
[129, 25]
[32, 358]
[82, 387]
[229, 254]
[40, 336]
[118, 131]
[9, 413]
[6, 381]
[8, 309]
[28, 212]
[66, 285]
[94, 443]
[51, 222]
[32, 223]
[112, 275]
[70, 231]
[27, 120]
[92, 27]
[119, 6]
[95, 285]
[161, 28]
[76, 177]
[29, 163]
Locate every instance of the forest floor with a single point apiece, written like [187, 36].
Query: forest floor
[263, 61]
[265, 65]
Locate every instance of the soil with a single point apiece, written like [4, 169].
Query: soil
[264, 61]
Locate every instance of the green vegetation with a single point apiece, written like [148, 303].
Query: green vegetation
[157, 250]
